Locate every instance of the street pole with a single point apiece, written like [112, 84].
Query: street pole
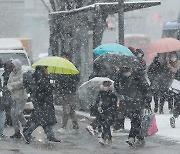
[121, 21]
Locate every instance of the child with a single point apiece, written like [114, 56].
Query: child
[106, 106]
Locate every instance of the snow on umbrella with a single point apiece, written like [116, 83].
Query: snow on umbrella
[88, 91]
[112, 47]
[106, 65]
[57, 65]
[164, 45]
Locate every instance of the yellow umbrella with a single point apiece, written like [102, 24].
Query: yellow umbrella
[57, 65]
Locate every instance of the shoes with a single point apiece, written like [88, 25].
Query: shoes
[2, 136]
[172, 122]
[17, 135]
[139, 142]
[155, 110]
[109, 142]
[53, 139]
[131, 141]
[161, 112]
[26, 137]
[62, 131]
[90, 130]
[99, 134]
[102, 141]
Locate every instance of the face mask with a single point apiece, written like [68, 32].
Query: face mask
[103, 88]
[173, 59]
[127, 74]
[139, 55]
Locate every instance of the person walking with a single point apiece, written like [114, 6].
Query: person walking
[132, 89]
[105, 105]
[67, 85]
[44, 111]
[159, 76]
[19, 97]
[6, 95]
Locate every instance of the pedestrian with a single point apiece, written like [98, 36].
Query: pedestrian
[174, 66]
[1, 111]
[44, 111]
[140, 57]
[19, 97]
[132, 88]
[67, 86]
[105, 108]
[160, 78]
[6, 95]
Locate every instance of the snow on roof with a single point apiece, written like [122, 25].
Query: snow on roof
[110, 3]
[10, 43]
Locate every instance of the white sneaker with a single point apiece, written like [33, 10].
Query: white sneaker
[109, 142]
[90, 130]
[131, 141]
[139, 142]
[102, 141]
[62, 131]
[99, 134]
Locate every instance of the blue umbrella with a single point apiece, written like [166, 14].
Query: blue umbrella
[112, 47]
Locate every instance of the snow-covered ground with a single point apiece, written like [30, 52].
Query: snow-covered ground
[163, 124]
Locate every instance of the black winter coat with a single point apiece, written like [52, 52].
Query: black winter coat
[107, 100]
[44, 111]
[67, 84]
[134, 90]
[159, 76]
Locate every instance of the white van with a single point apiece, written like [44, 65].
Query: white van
[13, 49]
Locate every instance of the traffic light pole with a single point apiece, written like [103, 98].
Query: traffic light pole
[121, 21]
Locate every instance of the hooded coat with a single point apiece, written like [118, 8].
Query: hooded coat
[44, 111]
[15, 82]
[133, 89]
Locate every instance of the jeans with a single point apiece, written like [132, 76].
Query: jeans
[1, 122]
[31, 126]
[69, 110]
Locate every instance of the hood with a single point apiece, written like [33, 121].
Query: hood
[17, 64]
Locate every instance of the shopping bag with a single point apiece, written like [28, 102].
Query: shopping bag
[148, 125]
[152, 126]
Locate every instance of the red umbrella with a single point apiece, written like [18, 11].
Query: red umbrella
[164, 45]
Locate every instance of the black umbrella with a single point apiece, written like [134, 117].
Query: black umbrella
[107, 64]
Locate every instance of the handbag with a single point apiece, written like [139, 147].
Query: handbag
[149, 125]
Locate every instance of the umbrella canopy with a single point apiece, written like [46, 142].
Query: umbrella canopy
[57, 65]
[164, 45]
[89, 90]
[112, 47]
[106, 64]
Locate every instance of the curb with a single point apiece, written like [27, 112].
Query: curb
[80, 114]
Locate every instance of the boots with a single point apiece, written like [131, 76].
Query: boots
[17, 135]
[53, 139]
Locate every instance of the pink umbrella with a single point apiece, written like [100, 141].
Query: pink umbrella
[164, 45]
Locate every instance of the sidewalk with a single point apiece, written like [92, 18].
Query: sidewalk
[164, 128]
